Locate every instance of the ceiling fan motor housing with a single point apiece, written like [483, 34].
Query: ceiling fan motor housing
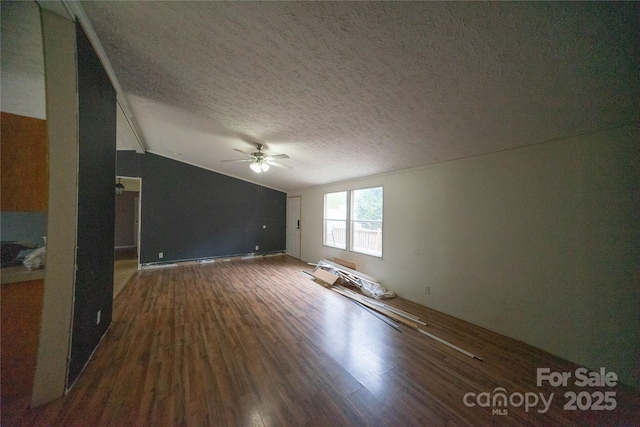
[258, 155]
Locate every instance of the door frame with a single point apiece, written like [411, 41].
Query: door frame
[299, 226]
[139, 230]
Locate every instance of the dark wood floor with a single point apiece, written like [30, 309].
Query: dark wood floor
[258, 343]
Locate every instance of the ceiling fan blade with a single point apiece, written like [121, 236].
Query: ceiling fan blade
[240, 151]
[278, 156]
[241, 160]
[278, 165]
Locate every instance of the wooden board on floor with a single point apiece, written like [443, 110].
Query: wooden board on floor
[345, 262]
[325, 276]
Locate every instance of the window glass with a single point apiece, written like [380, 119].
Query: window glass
[366, 221]
[335, 220]
[335, 205]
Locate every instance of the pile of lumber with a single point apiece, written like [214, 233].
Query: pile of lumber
[367, 284]
[333, 273]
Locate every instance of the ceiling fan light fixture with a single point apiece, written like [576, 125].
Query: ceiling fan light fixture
[255, 167]
[259, 162]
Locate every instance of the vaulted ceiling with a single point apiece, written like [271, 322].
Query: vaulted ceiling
[359, 88]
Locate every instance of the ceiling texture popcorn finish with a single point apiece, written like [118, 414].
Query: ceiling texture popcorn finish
[360, 88]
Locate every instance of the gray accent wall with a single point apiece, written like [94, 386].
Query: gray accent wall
[29, 226]
[93, 293]
[192, 213]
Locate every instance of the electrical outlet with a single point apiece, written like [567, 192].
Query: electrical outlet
[98, 317]
[257, 247]
[427, 290]
[160, 254]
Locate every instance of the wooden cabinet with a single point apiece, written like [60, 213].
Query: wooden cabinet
[24, 183]
[21, 308]
[24, 170]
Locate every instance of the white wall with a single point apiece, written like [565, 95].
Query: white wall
[539, 243]
[62, 111]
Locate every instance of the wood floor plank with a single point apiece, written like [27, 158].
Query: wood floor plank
[258, 343]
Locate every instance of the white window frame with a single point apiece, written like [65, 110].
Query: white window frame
[326, 218]
[350, 224]
[376, 239]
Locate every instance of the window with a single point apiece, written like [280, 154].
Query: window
[366, 221]
[362, 232]
[335, 219]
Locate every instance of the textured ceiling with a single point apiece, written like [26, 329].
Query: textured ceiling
[359, 88]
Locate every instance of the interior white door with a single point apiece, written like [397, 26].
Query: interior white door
[293, 226]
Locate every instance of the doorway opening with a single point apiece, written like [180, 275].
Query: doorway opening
[127, 232]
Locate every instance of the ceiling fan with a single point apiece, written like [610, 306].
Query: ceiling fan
[259, 161]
